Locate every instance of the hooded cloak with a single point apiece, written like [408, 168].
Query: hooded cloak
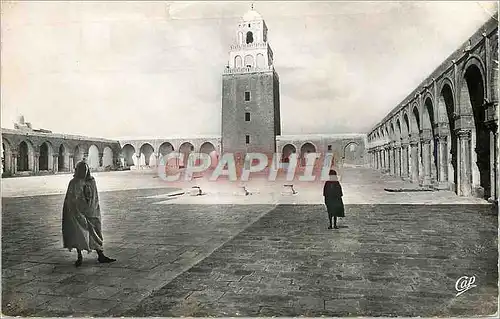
[332, 191]
[81, 220]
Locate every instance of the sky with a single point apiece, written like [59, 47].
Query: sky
[154, 69]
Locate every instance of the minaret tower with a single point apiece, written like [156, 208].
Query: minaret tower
[250, 91]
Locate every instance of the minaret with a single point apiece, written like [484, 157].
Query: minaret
[250, 91]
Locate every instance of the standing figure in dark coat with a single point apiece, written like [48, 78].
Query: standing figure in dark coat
[332, 191]
[81, 220]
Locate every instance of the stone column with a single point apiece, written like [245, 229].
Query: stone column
[493, 127]
[464, 160]
[442, 141]
[380, 158]
[138, 156]
[71, 163]
[158, 157]
[491, 121]
[8, 163]
[386, 158]
[397, 156]
[55, 163]
[426, 157]
[414, 160]
[120, 161]
[14, 163]
[100, 159]
[404, 159]
[36, 161]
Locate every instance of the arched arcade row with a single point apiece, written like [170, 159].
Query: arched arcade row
[145, 155]
[24, 156]
[447, 137]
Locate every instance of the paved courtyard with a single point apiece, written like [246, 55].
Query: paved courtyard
[258, 259]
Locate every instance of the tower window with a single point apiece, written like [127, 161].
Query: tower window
[247, 116]
[329, 147]
[249, 25]
[249, 37]
[247, 96]
[247, 137]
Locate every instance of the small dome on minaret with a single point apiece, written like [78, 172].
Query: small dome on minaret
[251, 15]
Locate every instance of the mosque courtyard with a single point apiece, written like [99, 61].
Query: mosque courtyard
[266, 254]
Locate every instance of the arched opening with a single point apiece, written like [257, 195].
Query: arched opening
[399, 132]
[107, 157]
[185, 149]
[249, 37]
[288, 150]
[43, 161]
[472, 97]
[429, 123]
[238, 62]
[249, 63]
[146, 152]
[406, 126]
[304, 150]
[405, 158]
[166, 148]
[240, 37]
[61, 159]
[93, 160]
[415, 162]
[352, 153]
[23, 157]
[209, 148]
[128, 153]
[446, 118]
[77, 155]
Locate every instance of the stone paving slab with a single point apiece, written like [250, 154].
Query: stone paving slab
[288, 264]
[153, 244]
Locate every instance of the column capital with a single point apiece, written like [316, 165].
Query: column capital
[492, 126]
[464, 134]
[442, 129]
[442, 138]
[414, 139]
[36, 154]
[14, 153]
[464, 122]
[396, 145]
[425, 140]
[55, 155]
